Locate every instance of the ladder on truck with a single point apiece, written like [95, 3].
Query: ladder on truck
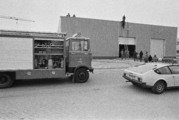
[30, 33]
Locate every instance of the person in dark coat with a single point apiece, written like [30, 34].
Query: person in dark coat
[150, 58]
[141, 56]
[146, 58]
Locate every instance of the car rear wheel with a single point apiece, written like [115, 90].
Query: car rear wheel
[159, 87]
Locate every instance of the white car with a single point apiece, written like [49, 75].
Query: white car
[157, 76]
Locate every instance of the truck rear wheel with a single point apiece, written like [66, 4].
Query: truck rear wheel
[81, 75]
[5, 80]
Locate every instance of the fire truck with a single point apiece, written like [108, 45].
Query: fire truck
[26, 55]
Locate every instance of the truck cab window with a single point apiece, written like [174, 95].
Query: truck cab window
[84, 45]
[80, 45]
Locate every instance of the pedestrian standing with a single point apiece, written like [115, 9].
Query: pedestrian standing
[155, 59]
[150, 58]
[135, 55]
[146, 57]
[127, 54]
[122, 54]
[141, 55]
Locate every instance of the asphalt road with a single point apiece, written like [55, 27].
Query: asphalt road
[106, 96]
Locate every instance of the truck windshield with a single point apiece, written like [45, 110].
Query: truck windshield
[80, 45]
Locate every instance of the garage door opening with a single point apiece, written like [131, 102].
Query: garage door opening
[129, 42]
[131, 49]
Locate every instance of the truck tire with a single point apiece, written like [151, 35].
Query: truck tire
[5, 80]
[81, 75]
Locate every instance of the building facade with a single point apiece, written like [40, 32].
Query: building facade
[108, 38]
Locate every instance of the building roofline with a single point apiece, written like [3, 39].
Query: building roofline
[120, 21]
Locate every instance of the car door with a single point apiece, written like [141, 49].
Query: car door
[166, 74]
[175, 74]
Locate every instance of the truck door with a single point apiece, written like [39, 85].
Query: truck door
[79, 53]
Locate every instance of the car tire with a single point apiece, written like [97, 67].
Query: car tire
[5, 80]
[81, 75]
[159, 87]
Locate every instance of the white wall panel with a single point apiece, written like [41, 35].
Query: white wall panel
[126, 41]
[157, 47]
[16, 53]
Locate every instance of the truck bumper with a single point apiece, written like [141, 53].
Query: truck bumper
[91, 69]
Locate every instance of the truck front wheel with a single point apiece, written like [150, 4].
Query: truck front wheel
[81, 75]
[5, 80]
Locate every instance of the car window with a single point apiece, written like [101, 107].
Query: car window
[174, 69]
[163, 70]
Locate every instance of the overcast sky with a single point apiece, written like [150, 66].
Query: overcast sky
[46, 13]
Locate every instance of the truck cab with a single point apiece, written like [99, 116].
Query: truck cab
[79, 57]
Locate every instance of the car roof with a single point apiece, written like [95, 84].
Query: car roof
[158, 65]
[147, 67]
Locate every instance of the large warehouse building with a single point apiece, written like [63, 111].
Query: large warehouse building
[108, 38]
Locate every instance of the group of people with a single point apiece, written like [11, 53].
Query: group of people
[125, 54]
[147, 57]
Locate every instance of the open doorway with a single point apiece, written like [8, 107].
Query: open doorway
[131, 49]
